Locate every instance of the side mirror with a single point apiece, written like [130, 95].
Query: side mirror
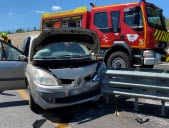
[23, 58]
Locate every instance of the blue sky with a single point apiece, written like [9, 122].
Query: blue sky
[26, 13]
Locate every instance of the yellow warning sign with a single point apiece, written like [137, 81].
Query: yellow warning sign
[161, 35]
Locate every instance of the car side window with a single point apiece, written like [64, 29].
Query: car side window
[25, 46]
[26, 49]
[8, 52]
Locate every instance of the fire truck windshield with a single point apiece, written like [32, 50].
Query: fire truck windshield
[155, 17]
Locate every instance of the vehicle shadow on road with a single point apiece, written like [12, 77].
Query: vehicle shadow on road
[90, 111]
[152, 108]
[6, 94]
[78, 113]
[13, 103]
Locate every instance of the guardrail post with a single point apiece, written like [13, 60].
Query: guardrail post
[136, 104]
[137, 67]
[163, 109]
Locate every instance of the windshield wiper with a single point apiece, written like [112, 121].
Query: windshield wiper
[137, 27]
[63, 57]
[45, 58]
[68, 56]
[73, 56]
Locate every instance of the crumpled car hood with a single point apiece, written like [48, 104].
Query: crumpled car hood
[74, 73]
[83, 36]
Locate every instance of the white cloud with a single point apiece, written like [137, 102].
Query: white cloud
[10, 13]
[40, 12]
[55, 8]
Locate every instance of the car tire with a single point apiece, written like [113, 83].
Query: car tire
[33, 106]
[1, 91]
[119, 60]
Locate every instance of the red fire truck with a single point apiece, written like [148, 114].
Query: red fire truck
[130, 34]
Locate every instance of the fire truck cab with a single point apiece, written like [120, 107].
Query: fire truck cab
[131, 33]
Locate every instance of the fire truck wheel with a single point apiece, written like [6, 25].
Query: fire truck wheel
[119, 60]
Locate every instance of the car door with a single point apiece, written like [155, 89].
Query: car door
[11, 68]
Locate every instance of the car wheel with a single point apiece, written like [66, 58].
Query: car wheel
[119, 60]
[33, 106]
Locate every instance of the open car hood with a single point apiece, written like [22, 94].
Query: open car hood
[83, 36]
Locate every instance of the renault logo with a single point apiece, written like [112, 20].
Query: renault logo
[79, 81]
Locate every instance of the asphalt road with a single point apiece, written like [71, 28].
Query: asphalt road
[15, 113]
[163, 66]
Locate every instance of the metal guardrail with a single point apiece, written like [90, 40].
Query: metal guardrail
[137, 83]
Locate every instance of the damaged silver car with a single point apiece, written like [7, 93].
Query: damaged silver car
[62, 69]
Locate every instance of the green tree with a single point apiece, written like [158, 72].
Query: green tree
[19, 30]
[9, 32]
[34, 29]
[28, 30]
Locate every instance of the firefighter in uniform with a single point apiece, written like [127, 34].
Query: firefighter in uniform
[4, 36]
[5, 52]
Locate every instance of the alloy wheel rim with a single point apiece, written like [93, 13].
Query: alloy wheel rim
[118, 63]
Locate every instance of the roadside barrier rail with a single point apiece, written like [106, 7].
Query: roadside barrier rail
[137, 83]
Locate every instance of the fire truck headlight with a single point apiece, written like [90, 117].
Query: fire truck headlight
[148, 54]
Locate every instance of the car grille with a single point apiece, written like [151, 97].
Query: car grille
[66, 82]
[88, 78]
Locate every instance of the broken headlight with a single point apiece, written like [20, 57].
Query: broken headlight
[97, 76]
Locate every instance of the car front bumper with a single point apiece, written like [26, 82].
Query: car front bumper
[55, 98]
